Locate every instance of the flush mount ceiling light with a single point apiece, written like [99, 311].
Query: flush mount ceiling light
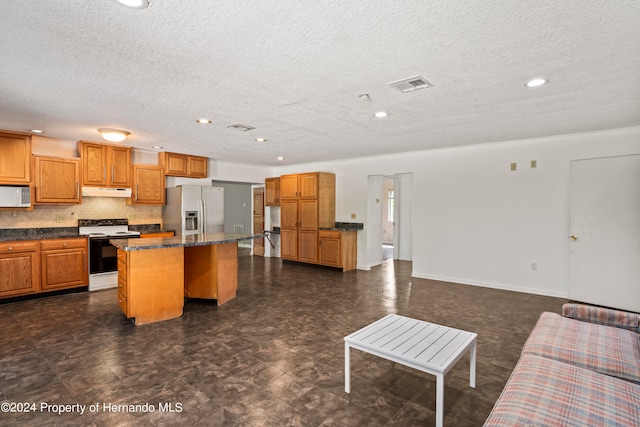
[157, 147]
[113, 135]
[36, 131]
[261, 140]
[536, 82]
[280, 158]
[203, 121]
[134, 4]
[381, 114]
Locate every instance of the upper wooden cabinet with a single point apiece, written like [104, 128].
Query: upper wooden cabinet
[272, 192]
[105, 165]
[57, 180]
[15, 161]
[148, 185]
[176, 164]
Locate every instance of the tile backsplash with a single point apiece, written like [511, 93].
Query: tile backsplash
[91, 208]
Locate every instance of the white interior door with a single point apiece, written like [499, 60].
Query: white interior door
[604, 259]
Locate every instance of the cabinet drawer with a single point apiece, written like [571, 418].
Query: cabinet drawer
[330, 234]
[122, 302]
[11, 247]
[122, 285]
[122, 269]
[49, 245]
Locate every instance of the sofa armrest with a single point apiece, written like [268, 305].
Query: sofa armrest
[602, 316]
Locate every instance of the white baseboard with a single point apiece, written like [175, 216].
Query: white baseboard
[504, 287]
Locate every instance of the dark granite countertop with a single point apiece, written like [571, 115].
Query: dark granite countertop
[148, 228]
[181, 241]
[345, 226]
[11, 234]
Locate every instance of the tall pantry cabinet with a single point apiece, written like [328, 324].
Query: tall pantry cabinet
[307, 202]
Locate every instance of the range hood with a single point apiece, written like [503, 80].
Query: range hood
[105, 192]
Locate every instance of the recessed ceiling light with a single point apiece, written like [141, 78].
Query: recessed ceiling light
[36, 131]
[203, 121]
[280, 158]
[381, 114]
[134, 4]
[536, 82]
[157, 147]
[261, 140]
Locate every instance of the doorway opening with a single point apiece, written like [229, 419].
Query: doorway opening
[388, 219]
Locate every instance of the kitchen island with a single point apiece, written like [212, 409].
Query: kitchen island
[156, 274]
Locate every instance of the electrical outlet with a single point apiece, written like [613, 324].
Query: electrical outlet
[534, 164]
[514, 166]
[534, 266]
[60, 218]
[132, 217]
[353, 216]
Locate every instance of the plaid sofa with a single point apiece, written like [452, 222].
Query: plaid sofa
[578, 369]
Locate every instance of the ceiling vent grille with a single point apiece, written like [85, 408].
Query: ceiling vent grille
[410, 84]
[241, 127]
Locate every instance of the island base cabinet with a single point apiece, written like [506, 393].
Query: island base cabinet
[211, 271]
[151, 284]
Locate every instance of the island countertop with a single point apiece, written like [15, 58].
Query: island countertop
[203, 239]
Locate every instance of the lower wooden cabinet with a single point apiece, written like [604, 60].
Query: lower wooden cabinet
[157, 234]
[338, 249]
[63, 263]
[35, 266]
[19, 268]
[151, 284]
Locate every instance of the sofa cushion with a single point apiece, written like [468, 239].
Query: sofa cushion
[545, 392]
[602, 315]
[599, 348]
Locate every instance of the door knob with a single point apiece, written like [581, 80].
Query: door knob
[573, 237]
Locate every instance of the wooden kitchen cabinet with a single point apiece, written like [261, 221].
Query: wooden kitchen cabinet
[57, 180]
[155, 234]
[272, 192]
[19, 268]
[307, 202]
[151, 284]
[176, 164]
[15, 161]
[148, 185]
[64, 263]
[105, 165]
[337, 249]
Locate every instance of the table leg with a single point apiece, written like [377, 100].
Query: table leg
[347, 374]
[439, 400]
[472, 365]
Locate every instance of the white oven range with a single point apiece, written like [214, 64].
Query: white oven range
[103, 256]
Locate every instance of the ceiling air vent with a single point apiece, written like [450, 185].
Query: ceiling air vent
[410, 84]
[241, 127]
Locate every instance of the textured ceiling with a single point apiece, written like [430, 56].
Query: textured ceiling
[294, 70]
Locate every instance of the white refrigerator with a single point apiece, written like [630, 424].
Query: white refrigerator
[193, 209]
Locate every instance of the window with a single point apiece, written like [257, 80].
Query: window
[390, 196]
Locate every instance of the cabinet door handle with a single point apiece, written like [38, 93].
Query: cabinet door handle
[104, 173]
[84, 262]
[113, 171]
[136, 191]
[77, 189]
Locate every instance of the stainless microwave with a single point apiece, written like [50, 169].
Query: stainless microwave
[15, 197]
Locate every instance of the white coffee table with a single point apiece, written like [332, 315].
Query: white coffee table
[425, 346]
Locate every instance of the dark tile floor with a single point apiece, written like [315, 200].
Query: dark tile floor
[274, 356]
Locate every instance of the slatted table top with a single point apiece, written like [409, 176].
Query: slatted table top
[415, 343]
